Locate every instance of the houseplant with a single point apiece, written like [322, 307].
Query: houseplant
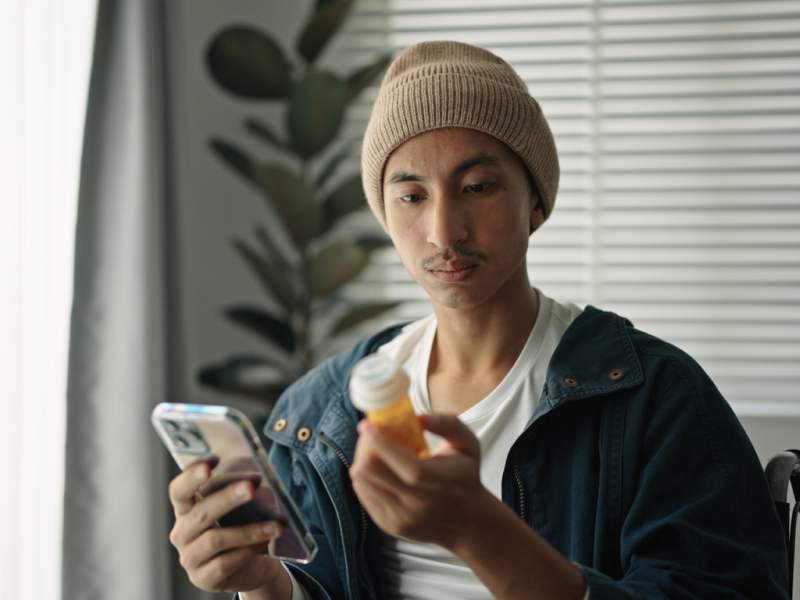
[304, 267]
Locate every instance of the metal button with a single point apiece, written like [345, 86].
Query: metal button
[616, 374]
[570, 382]
[280, 424]
[303, 434]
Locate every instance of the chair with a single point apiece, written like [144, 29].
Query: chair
[781, 470]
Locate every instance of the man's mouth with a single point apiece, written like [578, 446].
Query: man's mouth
[453, 270]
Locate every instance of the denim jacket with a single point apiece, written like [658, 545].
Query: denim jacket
[633, 466]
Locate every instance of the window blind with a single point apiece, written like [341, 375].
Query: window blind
[678, 130]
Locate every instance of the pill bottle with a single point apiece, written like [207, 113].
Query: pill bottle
[379, 388]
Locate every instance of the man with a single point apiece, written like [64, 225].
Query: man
[579, 457]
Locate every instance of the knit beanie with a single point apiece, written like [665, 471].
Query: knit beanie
[432, 85]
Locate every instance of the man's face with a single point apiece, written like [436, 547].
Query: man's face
[459, 211]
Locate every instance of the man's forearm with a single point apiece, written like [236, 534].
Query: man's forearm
[512, 560]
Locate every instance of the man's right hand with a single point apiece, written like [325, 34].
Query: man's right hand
[224, 559]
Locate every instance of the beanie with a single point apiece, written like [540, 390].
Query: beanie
[432, 85]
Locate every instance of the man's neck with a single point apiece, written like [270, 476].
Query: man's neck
[474, 349]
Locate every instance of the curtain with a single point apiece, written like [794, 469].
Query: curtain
[46, 47]
[116, 513]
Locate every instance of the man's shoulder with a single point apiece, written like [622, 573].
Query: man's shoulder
[307, 399]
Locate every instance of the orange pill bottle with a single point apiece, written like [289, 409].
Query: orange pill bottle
[379, 388]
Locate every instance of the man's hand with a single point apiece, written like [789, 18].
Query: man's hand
[441, 500]
[223, 559]
[427, 500]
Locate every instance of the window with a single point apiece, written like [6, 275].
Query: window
[678, 129]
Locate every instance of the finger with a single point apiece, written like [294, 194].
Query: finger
[182, 489]
[400, 461]
[205, 513]
[458, 437]
[222, 539]
[215, 574]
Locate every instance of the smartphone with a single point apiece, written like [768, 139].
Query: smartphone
[224, 438]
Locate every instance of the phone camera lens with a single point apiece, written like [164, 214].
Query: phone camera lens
[180, 442]
[170, 426]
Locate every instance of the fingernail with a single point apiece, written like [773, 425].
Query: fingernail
[200, 473]
[270, 529]
[242, 490]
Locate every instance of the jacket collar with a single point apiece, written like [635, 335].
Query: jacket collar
[595, 357]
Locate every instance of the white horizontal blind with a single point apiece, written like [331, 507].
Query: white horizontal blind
[678, 129]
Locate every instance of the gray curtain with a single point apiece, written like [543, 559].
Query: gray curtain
[116, 511]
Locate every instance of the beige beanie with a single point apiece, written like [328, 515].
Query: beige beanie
[448, 84]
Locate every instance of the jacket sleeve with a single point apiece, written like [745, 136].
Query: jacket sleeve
[700, 521]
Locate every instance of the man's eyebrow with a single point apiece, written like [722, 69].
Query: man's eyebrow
[482, 158]
[403, 177]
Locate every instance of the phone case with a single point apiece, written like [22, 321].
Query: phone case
[225, 438]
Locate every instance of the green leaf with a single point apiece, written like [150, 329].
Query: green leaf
[324, 23]
[248, 63]
[364, 76]
[235, 157]
[265, 132]
[361, 313]
[264, 325]
[333, 164]
[371, 242]
[272, 249]
[346, 198]
[272, 276]
[335, 264]
[248, 375]
[322, 3]
[316, 111]
[293, 200]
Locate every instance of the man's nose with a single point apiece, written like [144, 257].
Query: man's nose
[446, 222]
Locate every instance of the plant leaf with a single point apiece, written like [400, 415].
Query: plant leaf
[316, 111]
[333, 164]
[324, 23]
[249, 63]
[364, 76]
[247, 375]
[265, 132]
[272, 249]
[293, 200]
[264, 324]
[371, 242]
[235, 157]
[359, 314]
[335, 264]
[346, 198]
[272, 276]
[322, 3]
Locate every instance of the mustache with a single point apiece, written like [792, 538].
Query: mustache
[446, 254]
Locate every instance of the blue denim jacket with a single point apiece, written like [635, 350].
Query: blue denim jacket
[633, 466]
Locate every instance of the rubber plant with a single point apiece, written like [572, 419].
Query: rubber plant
[305, 276]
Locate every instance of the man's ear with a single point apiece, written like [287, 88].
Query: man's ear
[537, 214]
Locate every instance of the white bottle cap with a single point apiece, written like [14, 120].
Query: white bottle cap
[376, 383]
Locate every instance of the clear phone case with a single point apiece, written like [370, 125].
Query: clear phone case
[225, 439]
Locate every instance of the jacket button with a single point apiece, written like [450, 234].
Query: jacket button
[303, 434]
[280, 424]
[570, 382]
[615, 374]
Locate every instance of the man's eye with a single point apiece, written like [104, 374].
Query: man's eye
[410, 198]
[478, 188]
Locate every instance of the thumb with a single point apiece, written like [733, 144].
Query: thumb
[457, 437]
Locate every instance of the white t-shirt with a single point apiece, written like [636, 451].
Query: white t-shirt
[419, 571]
